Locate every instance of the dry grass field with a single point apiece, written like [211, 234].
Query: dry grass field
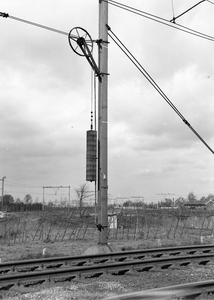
[25, 235]
[29, 235]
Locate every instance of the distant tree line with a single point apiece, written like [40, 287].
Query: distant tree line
[11, 205]
[17, 207]
[167, 202]
[82, 192]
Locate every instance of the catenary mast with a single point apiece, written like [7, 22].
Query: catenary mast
[103, 124]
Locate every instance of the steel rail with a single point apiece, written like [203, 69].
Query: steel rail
[196, 290]
[65, 261]
[36, 278]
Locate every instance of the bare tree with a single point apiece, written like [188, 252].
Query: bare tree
[82, 192]
[28, 199]
[191, 197]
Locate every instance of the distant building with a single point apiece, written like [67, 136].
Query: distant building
[207, 204]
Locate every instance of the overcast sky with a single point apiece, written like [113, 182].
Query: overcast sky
[45, 96]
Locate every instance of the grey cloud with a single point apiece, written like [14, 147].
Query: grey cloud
[45, 88]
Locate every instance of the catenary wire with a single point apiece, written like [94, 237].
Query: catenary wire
[173, 11]
[6, 15]
[38, 25]
[154, 18]
[130, 9]
[160, 20]
[153, 83]
[140, 67]
[174, 18]
[22, 185]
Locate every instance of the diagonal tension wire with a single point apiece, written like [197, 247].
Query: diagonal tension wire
[6, 15]
[125, 50]
[129, 55]
[132, 10]
[160, 20]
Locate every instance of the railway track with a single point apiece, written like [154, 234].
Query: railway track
[57, 262]
[33, 273]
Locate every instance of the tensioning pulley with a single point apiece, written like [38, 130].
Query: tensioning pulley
[82, 44]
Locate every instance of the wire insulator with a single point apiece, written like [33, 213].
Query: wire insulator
[4, 15]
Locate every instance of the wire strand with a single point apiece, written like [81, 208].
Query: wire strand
[160, 20]
[39, 25]
[95, 102]
[92, 95]
[154, 84]
[173, 11]
[127, 8]
[148, 77]
[22, 185]
[173, 20]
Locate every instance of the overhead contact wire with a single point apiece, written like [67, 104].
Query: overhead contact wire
[160, 20]
[174, 18]
[130, 9]
[153, 83]
[136, 63]
[146, 74]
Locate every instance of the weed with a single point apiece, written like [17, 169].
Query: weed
[127, 248]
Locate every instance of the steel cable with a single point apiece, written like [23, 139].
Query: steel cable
[131, 57]
[161, 20]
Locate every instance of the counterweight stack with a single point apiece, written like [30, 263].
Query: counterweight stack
[91, 155]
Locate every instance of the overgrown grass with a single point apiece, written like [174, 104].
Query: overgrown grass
[137, 229]
[30, 256]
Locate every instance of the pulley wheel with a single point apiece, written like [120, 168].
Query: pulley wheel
[76, 34]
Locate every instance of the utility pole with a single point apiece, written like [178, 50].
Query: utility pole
[103, 124]
[69, 196]
[43, 199]
[82, 44]
[2, 199]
